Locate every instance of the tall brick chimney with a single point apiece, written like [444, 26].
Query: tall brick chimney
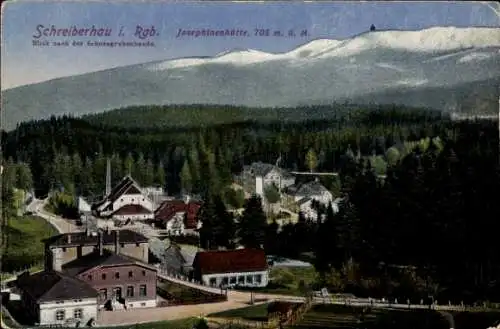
[117, 241]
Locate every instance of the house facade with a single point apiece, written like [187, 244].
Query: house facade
[126, 201]
[64, 248]
[122, 282]
[52, 298]
[230, 268]
[259, 175]
[177, 216]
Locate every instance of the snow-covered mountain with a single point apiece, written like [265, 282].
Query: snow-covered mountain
[444, 67]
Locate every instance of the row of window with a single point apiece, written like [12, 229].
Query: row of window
[117, 292]
[62, 301]
[61, 314]
[250, 279]
[117, 275]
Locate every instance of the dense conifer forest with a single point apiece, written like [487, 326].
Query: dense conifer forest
[429, 228]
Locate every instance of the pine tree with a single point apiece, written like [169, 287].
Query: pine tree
[185, 177]
[208, 217]
[253, 224]
[311, 160]
[24, 178]
[160, 175]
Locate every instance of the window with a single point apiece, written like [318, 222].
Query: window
[225, 280]
[117, 275]
[249, 279]
[103, 293]
[121, 199]
[130, 291]
[122, 245]
[89, 277]
[78, 313]
[103, 276]
[60, 315]
[118, 293]
[137, 244]
[143, 290]
[64, 249]
[60, 302]
[143, 273]
[143, 304]
[258, 278]
[232, 280]
[143, 199]
[132, 200]
[213, 282]
[130, 274]
[241, 280]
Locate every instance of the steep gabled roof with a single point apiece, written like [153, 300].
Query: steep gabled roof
[52, 286]
[311, 188]
[94, 259]
[126, 186]
[227, 261]
[261, 168]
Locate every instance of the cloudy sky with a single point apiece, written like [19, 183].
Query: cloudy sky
[22, 63]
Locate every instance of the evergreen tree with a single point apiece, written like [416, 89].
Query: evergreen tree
[311, 160]
[253, 223]
[24, 178]
[160, 175]
[185, 176]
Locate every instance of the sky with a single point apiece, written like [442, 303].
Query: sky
[23, 63]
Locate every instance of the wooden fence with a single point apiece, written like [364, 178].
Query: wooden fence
[297, 314]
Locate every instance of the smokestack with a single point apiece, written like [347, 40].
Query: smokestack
[108, 177]
[117, 242]
[100, 245]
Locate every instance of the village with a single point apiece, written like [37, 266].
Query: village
[127, 249]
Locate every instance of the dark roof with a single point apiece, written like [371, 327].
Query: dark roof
[261, 168]
[226, 261]
[311, 188]
[131, 209]
[81, 238]
[94, 259]
[167, 210]
[304, 200]
[126, 186]
[51, 285]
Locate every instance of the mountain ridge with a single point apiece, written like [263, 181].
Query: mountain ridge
[316, 72]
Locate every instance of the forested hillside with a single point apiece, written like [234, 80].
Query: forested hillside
[429, 228]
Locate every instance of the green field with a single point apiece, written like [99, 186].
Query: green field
[22, 239]
[252, 313]
[343, 317]
[287, 281]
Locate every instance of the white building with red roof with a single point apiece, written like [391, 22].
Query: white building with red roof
[176, 216]
[240, 267]
[126, 201]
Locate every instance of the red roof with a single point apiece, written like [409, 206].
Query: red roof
[131, 209]
[167, 210]
[227, 261]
